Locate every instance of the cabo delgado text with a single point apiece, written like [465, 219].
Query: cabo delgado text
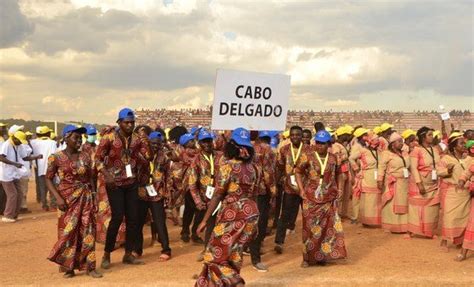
[251, 109]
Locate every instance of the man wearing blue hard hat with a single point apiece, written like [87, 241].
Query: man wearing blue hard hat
[265, 160]
[117, 159]
[288, 159]
[201, 174]
[154, 196]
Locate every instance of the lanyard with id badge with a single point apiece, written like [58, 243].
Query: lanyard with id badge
[295, 159]
[150, 189]
[376, 157]
[128, 166]
[322, 165]
[434, 176]
[210, 189]
[406, 174]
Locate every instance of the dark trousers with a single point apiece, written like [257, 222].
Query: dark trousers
[190, 212]
[3, 199]
[291, 204]
[210, 224]
[263, 204]
[158, 214]
[278, 205]
[123, 202]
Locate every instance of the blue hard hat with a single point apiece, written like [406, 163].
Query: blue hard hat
[91, 130]
[155, 135]
[194, 130]
[126, 114]
[184, 139]
[322, 136]
[262, 134]
[242, 137]
[205, 134]
[72, 128]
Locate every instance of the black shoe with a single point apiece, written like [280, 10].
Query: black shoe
[132, 260]
[185, 238]
[196, 239]
[278, 249]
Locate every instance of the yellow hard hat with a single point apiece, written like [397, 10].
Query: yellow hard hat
[286, 134]
[43, 130]
[330, 131]
[454, 136]
[344, 130]
[53, 135]
[436, 134]
[407, 133]
[3, 125]
[385, 126]
[377, 130]
[360, 132]
[28, 133]
[21, 136]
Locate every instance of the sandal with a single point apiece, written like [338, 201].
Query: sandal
[304, 264]
[164, 257]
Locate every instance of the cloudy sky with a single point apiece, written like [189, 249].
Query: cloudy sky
[84, 59]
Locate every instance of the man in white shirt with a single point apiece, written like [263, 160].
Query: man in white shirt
[44, 146]
[11, 170]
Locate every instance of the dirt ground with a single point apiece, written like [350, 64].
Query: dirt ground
[375, 259]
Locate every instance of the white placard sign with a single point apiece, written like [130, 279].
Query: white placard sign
[255, 101]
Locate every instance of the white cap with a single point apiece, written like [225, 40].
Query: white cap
[13, 129]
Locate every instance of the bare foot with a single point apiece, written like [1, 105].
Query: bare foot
[406, 236]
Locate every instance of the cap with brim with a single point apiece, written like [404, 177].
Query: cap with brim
[155, 135]
[286, 134]
[322, 136]
[91, 130]
[385, 126]
[3, 125]
[205, 134]
[262, 134]
[194, 130]
[126, 114]
[21, 136]
[360, 132]
[184, 139]
[241, 136]
[13, 129]
[344, 130]
[29, 133]
[454, 136]
[407, 133]
[72, 128]
[41, 130]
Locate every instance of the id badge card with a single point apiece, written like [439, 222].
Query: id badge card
[150, 189]
[128, 170]
[405, 172]
[376, 174]
[293, 180]
[434, 176]
[210, 191]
